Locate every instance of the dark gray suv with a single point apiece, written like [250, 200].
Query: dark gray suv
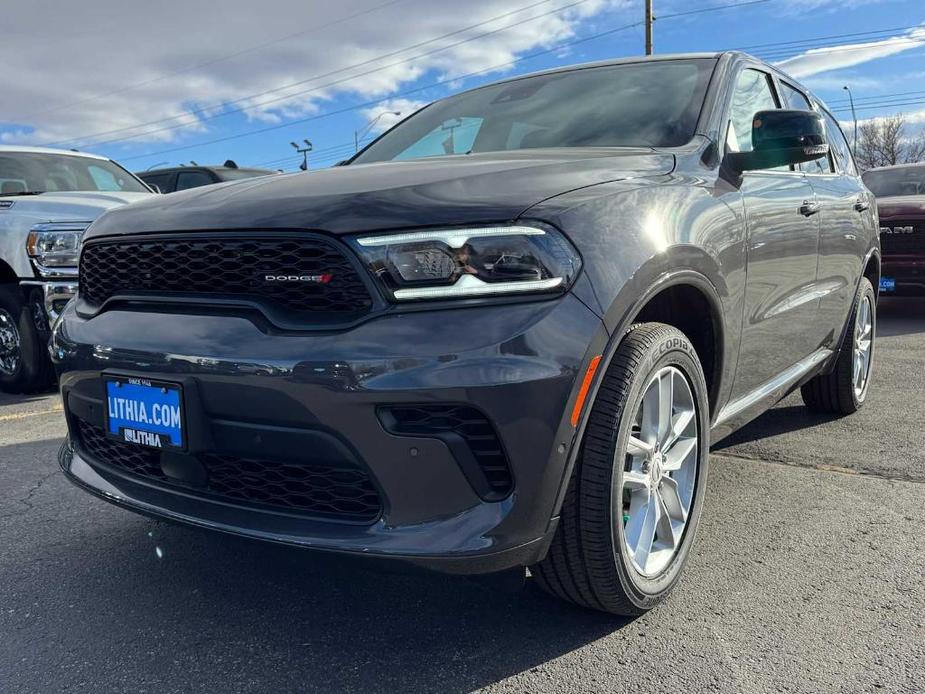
[503, 335]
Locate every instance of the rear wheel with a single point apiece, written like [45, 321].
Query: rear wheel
[844, 390]
[635, 495]
[24, 363]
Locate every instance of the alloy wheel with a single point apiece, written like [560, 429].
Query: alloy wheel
[659, 472]
[10, 344]
[863, 346]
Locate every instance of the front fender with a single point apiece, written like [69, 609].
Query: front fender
[637, 242]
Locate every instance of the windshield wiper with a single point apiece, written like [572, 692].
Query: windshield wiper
[21, 192]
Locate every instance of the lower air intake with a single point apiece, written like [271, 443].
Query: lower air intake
[469, 435]
[341, 493]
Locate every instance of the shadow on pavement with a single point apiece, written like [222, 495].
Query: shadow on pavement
[21, 398]
[123, 599]
[780, 420]
[899, 315]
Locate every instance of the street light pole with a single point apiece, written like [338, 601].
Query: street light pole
[649, 19]
[854, 115]
[358, 134]
[304, 152]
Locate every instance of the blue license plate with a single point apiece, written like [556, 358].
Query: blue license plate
[143, 412]
[887, 284]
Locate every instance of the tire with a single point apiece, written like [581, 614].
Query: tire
[589, 561]
[838, 392]
[25, 366]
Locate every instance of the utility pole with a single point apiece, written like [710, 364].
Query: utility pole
[304, 152]
[649, 19]
[854, 115]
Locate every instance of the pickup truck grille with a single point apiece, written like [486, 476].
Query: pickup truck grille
[304, 277]
[903, 243]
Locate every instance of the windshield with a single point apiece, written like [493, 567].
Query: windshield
[649, 104]
[32, 172]
[903, 180]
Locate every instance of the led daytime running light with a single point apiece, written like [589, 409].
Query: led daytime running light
[454, 238]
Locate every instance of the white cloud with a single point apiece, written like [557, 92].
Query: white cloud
[101, 64]
[820, 60]
[384, 113]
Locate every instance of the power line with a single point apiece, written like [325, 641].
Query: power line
[553, 49]
[782, 56]
[814, 39]
[213, 61]
[208, 111]
[334, 152]
[714, 8]
[875, 97]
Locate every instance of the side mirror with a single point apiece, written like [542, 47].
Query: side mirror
[780, 138]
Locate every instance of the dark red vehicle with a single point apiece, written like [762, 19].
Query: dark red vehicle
[900, 192]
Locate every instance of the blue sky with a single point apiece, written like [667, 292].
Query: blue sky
[145, 88]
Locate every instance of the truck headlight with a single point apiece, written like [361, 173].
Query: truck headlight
[53, 246]
[470, 262]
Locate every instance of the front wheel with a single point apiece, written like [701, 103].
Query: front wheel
[24, 363]
[635, 496]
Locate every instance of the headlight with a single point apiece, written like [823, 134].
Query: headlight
[53, 246]
[472, 262]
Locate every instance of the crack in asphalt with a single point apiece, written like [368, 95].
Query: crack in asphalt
[27, 499]
[823, 467]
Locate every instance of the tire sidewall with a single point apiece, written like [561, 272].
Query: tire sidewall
[674, 349]
[28, 375]
[865, 290]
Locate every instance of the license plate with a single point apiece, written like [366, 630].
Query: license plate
[143, 412]
[887, 284]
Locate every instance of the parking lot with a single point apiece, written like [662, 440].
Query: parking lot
[807, 575]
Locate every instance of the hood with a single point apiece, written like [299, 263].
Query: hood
[902, 207]
[76, 206]
[461, 189]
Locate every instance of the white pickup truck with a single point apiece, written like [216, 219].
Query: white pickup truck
[48, 198]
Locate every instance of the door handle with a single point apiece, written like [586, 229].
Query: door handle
[861, 205]
[808, 209]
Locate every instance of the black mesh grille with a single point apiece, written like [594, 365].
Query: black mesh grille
[456, 424]
[903, 243]
[345, 493]
[228, 268]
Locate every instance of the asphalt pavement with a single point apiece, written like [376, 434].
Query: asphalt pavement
[808, 575]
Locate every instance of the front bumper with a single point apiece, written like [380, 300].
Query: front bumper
[53, 295]
[518, 364]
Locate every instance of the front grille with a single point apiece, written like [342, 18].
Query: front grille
[208, 268]
[469, 435]
[903, 243]
[343, 493]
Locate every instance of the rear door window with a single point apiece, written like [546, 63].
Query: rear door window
[162, 181]
[838, 145]
[193, 179]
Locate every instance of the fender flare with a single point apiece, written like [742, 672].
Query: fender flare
[664, 281]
